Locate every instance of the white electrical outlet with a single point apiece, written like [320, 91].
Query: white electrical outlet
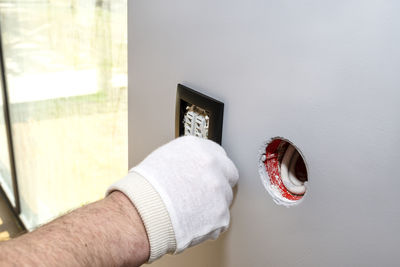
[196, 122]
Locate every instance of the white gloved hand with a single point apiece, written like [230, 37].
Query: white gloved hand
[182, 192]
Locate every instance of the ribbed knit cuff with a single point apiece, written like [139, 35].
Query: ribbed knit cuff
[152, 211]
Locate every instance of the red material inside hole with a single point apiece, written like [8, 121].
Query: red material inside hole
[272, 164]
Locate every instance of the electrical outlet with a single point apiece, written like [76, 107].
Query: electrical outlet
[196, 122]
[198, 115]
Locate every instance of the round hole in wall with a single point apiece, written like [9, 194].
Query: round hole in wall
[283, 171]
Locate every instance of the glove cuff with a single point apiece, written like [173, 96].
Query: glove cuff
[152, 211]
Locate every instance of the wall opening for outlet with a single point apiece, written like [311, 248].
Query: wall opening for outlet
[283, 171]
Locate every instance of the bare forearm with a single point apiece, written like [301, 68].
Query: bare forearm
[106, 233]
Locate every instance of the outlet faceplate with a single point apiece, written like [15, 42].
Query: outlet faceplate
[198, 115]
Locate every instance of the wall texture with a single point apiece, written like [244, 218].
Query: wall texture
[325, 75]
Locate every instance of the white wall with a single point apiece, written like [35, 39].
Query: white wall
[325, 75]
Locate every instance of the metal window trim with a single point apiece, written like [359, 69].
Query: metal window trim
[7, 120]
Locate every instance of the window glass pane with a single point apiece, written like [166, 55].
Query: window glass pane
[5, 170]
[66, 66]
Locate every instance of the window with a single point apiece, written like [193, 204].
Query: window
[66, 69]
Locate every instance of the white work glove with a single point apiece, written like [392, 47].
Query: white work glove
[182, 192]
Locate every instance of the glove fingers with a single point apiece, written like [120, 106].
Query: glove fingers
[229, 169]
[231, 172]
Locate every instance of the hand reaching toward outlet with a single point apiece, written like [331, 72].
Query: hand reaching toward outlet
[182, 192]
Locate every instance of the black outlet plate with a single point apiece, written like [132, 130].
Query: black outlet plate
[214, 108]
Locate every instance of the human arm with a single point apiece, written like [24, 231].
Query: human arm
[105, 233]
[177, 197]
